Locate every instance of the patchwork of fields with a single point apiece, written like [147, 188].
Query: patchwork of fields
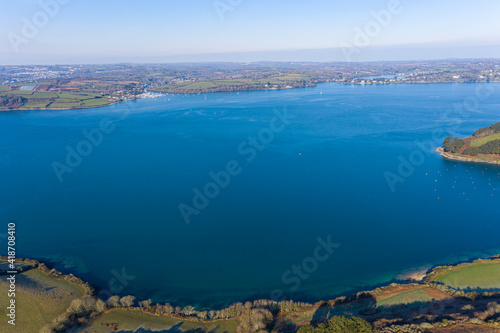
[41, 99]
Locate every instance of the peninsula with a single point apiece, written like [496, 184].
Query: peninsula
[482, 147]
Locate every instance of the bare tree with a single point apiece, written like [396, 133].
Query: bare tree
[145, 304]
[127, 301]
[188, 310]
[255, 321]
[211, 314]
[168, 308]
[113, 301]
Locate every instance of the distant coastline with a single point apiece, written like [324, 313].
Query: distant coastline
[68, 87]
[155, 93]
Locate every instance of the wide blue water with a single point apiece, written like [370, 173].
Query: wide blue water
[323, 175]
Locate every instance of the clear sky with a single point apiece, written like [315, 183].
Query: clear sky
[89, 31]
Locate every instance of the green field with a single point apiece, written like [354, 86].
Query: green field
[20, 92]
[200, 85]
[486, 139]
[95, 102]
[43, 94]
[405, 298]
[63, 104]
[80, 96]
[178, 85]
[39, 299]
[236, 82]
[36, 104]
[131, 320]
[475, 276]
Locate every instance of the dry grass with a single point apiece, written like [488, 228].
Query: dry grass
[39, 299]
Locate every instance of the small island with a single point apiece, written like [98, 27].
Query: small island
[483, 146]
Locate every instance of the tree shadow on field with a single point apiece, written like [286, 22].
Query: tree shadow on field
[174, 329]
[417, 312]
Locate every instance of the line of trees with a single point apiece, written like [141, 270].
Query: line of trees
[339, 324]
[486, 131]
[233, 311]
[11, 101]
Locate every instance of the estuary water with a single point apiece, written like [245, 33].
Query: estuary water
[98, 191]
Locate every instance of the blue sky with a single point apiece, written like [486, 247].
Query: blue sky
[88, 31]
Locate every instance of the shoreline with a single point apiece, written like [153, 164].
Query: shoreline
[420, 276]
[314, 85]
[453, 157]
[377, 305]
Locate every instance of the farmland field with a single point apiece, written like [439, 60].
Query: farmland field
[95, 102]
[481, 141]
[233, 82]
[474, 276]
[64, 104]
[20, 92]
[36, 104]
[43, 94]
[200, 85]
[407, 297]
[130, 321]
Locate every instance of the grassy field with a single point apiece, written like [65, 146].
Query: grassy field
[482, 141]
[200, 85]
[36, 104]
[95, 102]
[39, 299]
[482, 275]
[236, 82]
[406, 297]
[42, 94]
[64, 104]
[19, 92]
[131, 320]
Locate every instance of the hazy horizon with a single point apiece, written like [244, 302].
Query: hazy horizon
[49, 32]
[286, 56]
